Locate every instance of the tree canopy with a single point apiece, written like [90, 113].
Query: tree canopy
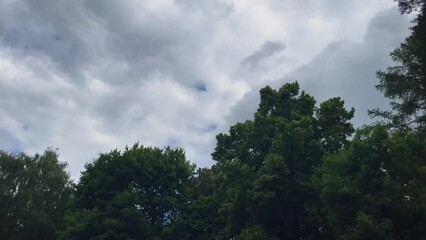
[267, 164]
[405, 83]
[33, 193]
[135, 194]
[293, 171]
[376, 189]
[408, 6]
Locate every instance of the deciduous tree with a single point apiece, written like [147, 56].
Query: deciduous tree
[139, 193]
[33, 193]
[267, 164]
[376, 189]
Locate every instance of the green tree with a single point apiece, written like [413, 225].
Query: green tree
[266, 164]
[254, 232]
[333, 124]
[405, 83]
[201, 220]
[376, 189]
[139, 193]
[408, 6]
[33, 194]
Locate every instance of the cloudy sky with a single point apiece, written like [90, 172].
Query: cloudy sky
[88, 76]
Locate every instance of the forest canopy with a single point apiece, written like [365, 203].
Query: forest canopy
[297, 170]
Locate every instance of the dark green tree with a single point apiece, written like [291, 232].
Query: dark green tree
[266, 165]
[405, 83]
[33, 194]
[254, 232]
[139, 193]
[333, 124]
[376, 189]
[407, 6]
[201, 220]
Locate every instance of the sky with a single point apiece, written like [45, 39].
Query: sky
[87, 77]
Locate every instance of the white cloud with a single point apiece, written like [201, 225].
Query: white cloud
[90, 76]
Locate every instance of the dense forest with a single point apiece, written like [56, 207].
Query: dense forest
[297, 170]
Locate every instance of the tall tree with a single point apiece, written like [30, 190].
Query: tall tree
[376, 189]
[201, 219]
[405, 83]
[139, 193]
[33, 194]
[267, 164]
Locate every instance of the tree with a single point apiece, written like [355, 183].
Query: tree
[254, 232]
[201, 219]
[136, 194]
[408, 6]
[376, 189]
[266, 164]
[33, 194]
[405, 83]
[333, 124]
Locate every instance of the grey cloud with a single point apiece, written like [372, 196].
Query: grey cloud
[96, 36]
[343, 68]
[127, 72]
[200, 87]
[267, 49]
[387, 29]
[121, 44]
[349, 69]
[40, 28]
[7, 141]
[213, 8]
[89, 76]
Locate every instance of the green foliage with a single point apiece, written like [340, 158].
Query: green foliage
[266, 164]
[408, 6]
[136, 194]
[33, 194]
[405, 83]
[254, 232]
[200, 220]
[376, 189]
[333, 124]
